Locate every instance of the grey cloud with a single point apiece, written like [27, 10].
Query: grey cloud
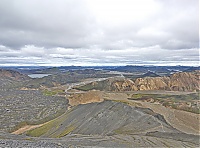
[65, 30]
[44, 23]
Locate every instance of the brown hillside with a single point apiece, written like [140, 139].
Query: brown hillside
[13, 75]
[184, 81]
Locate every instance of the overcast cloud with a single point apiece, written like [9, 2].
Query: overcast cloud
[99, 32]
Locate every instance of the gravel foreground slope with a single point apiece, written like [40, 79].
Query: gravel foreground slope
[72, 141]
[105, 124]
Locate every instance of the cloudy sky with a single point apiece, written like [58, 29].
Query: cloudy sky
[99, 32]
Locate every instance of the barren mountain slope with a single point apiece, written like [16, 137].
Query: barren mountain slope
[12, 75]
[111, 118]
[184, 81]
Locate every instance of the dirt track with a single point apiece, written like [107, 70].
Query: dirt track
[26, 128]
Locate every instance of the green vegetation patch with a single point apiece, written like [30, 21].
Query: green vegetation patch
[101, 85]
[188, 97]
[68, 130]
[52, 93]
[46, 127]
[85, 87]
[49, 93]
[187, 102]
[41, 130]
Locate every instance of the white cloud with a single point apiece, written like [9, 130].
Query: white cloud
[62, 56]
[120, 12]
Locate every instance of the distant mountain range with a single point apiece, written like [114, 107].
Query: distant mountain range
[160, 70]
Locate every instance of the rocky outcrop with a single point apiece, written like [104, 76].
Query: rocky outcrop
[183, 81]
[125, 85]
[85, 98]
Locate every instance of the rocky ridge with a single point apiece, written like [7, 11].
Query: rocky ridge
[184, 81]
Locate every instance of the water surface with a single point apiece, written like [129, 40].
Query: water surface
[38, 75]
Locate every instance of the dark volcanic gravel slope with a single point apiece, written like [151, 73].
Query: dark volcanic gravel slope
[105, 124]
[95, 141]
[105, 118]
[17, 106]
